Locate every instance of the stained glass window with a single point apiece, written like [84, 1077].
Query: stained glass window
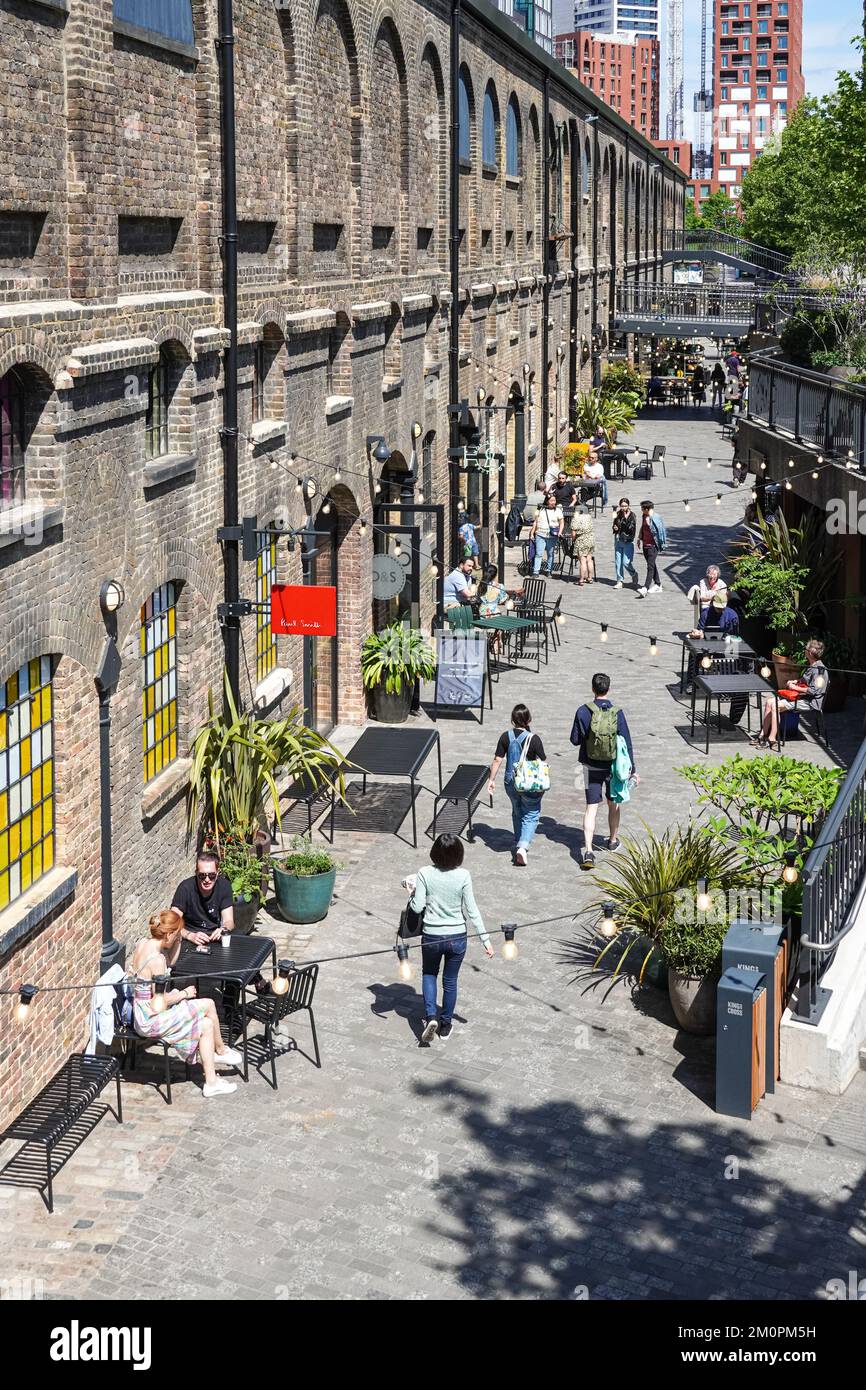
[159, 692]
[266, 575]
[26, 778]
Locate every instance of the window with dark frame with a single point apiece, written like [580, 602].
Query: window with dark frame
[12, 439]
[156, 420]
[258, 403]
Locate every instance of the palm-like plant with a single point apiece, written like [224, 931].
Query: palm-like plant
[236, 757]
[774, 552]
[394, 655]
[598, 412]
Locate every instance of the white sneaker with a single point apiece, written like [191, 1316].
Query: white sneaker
[520, 856]
[229, 1058]
[654, 589]
[642, 590]
[618, 584]
[219, 1088]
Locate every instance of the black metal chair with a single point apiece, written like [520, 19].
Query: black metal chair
[658, 456]
[131, 1040]
[271, 1009]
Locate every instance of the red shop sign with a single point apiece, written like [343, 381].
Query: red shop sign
[308, 610]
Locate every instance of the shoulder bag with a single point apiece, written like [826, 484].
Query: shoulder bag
[531, 775]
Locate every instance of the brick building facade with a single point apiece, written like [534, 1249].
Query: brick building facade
[111, 380]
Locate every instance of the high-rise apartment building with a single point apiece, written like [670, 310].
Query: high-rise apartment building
[757, 82]
[535, 17]
[618, 16]
[622, 68]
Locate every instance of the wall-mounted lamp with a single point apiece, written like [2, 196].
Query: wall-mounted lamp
[111, 596]
[417, 429]
[381, 453]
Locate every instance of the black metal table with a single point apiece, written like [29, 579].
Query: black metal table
[390, 752]
[239, 962]
[615, 462]
[721, 687]
[713, 644]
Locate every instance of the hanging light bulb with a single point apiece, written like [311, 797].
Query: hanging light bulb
[337, 474]
[397, 546]
[654, 646]
[790, 463]
[765, 671]
[604, 632]
[754, 495]
[311, 487]
[509, 945]
[509, 605]
[820, 458]
[157, 1003]
[718, 498]
[685, 461]
[789, 485]
[377, 486]
[703, 902]
[299, 486]
[790, 873]
[326, 508]
[851, 454]
[820, 682]
[560, 619]
[26, 995]
[404, 967]
[763, 464]
[503, 510]
[434, 570]
[814, 472]
[706, 662]
[607, 925]
[273, 463]
[363, 527]
[686, 505]
[280, 982]
[709, 463]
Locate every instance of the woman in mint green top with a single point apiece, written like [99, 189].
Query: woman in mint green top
[444, 894]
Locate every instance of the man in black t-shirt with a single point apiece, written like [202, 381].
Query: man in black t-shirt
[205, 902]
[564, 491]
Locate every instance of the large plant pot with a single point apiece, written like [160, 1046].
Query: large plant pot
[245, 914]
[304, 899]
[694, 1001]
[390, 709]
[786, 668]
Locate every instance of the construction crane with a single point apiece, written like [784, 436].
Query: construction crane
[703, 156]
[674, 121]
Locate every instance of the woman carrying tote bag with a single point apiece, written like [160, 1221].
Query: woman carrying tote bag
[526, 777]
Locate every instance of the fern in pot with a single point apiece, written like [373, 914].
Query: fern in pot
[304, 879]
[391, 662]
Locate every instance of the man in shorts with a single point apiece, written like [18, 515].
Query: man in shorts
[596, 736]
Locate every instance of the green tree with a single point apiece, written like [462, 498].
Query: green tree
[719, 213]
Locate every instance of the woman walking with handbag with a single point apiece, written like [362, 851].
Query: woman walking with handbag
[443, 894]
[527, 777]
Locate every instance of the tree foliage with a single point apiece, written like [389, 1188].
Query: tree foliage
[718, 213]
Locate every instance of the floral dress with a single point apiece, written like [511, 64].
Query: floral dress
[180, 1025]
[583, 534]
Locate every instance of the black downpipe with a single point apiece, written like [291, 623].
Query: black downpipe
[454, 260]
[229, 431]
[596, 323]
[574, 205]
[545, 289]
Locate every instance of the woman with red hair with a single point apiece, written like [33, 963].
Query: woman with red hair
[187, 1024]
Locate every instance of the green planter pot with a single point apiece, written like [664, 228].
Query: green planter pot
[304, 898]
[390, 709]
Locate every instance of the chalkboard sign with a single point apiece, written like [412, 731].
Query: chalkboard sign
[461, 669]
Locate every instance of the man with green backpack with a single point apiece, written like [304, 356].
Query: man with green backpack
[597, 727]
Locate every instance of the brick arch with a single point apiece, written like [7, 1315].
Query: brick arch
[24, 351]
[431, 162]
[168, 329]
[332, 142]
[531, 180]
[62, 635]
[388, 143]
[169, 560]
[272, 311]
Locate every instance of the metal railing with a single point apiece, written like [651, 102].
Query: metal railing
[814, 409]
[703, 303]
[725, 243]
[832, 879]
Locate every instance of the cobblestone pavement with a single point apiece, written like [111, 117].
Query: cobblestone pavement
[560, 1144]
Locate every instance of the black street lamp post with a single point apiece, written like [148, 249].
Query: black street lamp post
[111, 597]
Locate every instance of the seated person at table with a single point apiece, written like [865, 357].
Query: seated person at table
[655, 390]
[593, 472]
[718, 617]
[187, 1024]
[205, 902]
[458, 587]
[563, 490]
[702, 595]
[493, 598]
[811, 688]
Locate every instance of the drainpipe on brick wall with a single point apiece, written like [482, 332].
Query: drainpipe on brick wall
[231, 623]
[545, 289]
[596, 351]
[454, 258]
[572, 305]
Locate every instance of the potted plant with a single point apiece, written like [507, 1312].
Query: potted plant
[693, 948]
[391, 662]
[574, 457]
[608, 414]
[247, 870]
[236, 757]
[304, 881]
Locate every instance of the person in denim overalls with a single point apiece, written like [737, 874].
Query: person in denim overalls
[525, 809]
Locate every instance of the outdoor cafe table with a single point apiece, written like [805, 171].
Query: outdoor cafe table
[713, 644]
[390, 752]
[615, 462]
[722, 687]
[507, 623]
[239, 961]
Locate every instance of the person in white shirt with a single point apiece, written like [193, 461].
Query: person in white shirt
[593, 472]
[702, 595]
[546, 532]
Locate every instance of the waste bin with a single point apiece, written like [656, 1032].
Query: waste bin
[741, 1033]
[763, 948]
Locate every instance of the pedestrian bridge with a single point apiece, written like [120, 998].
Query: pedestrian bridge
[724, 248]
[686, 311]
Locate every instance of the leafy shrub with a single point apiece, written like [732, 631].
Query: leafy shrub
[305, 861]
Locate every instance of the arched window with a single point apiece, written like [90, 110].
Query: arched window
[512, 141]
[13, 439]
[159, 683]
[465, 142]
[488, 130]
[266, 575]
[156, 419]
[586, 162]
[171, 18]
[26, 778]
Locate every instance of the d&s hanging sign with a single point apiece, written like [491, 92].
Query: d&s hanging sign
[304, 610]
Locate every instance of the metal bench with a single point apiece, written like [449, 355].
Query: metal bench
[50, 1116]
[462, 785]
[307, 791]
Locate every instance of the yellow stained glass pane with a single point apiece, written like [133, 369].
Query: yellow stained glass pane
[48, 815]
[37, 862]
[3, 724]
[4, 803]
[151, 701]
[159, 659]
[26, 831]
[47, 854]
[36, 818]
[36, 713]
[37, 785]
[172, 714]
[172, 747]
[12, 689]
[14, 841]
[46, 704]
[171, 613]
[35, 679]
[4, 849]
[25, 757]
[142, 640]
[148, 767]
[47, 777]
[4, 889]
[26, 871]
[144, 738]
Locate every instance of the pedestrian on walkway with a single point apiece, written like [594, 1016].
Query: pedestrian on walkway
[546, 531]
[624, 528]
[699, 393]
[443, 892]
[652, 539]
[597, 727]
[516, 743]
[583, 543]
[717, 381]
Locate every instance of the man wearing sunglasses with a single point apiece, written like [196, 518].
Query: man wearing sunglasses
[205, 902]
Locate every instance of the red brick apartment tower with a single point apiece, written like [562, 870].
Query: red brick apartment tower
[622, 68]
[757, 82]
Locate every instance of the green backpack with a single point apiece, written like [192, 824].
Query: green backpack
[601, 739]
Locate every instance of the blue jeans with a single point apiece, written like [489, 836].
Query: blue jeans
[544, 545]
[525, 812]
[623, 556]
[451, 950]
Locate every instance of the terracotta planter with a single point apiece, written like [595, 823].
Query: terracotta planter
[693, 1001]
[786, 669]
